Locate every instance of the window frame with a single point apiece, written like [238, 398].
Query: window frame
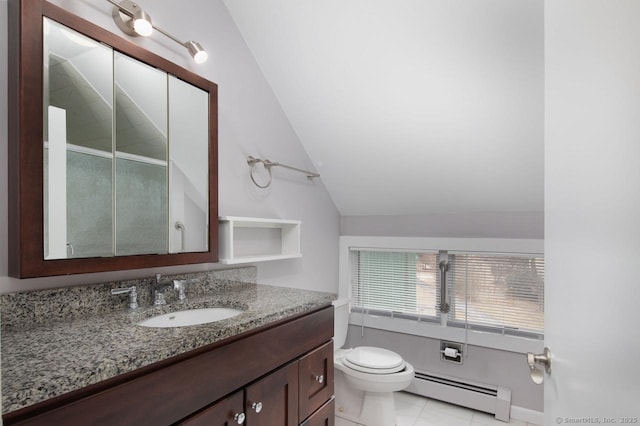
[473, 336]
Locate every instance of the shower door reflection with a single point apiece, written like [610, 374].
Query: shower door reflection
[141, 158]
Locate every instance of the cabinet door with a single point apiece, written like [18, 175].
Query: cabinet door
[273, 400]
[325, 416]
[316, 379]
[226, 412]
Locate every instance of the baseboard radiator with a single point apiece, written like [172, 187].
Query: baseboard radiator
[490, 399]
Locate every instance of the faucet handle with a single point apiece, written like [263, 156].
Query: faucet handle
[158, 277]
[132, 292]
[180, 285]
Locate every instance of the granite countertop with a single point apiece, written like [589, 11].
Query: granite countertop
[45, 360]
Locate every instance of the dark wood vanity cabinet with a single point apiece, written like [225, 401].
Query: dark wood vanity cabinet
[278, 366]
[270, 401]
[299, 393]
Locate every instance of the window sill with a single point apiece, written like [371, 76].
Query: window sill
[437, 331]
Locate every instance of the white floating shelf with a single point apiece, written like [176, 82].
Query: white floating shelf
[251, 239]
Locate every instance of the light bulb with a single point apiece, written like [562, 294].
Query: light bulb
[142, 23]
[201, 57]
[197, 51]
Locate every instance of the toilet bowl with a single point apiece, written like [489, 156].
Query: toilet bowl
[366, 377]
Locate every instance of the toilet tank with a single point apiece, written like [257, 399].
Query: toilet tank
[340, 322]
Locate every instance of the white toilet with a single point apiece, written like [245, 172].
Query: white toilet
[366, 377]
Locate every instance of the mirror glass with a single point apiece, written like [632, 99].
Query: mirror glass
[189, 167]
[78, 154]
[126, 153]
[141, 157]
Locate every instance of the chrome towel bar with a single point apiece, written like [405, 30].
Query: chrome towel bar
[268, 164]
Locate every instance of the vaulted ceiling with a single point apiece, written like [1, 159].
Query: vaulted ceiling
[410, 106]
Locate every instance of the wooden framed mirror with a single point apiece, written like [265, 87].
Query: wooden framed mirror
[113, 151]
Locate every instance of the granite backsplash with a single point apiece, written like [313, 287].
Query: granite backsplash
[29, 308]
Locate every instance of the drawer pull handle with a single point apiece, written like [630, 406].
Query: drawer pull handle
[320, 379]
[257, 406]
[239, 417]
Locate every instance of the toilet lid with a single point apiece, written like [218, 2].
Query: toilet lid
[373, 360]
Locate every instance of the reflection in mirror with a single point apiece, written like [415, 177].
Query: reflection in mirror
[160, 122]
[77, 183]
[189, 167]
[141, 158]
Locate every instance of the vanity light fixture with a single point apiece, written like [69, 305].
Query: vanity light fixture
[197, 51]
[142, 22]
[134, 21]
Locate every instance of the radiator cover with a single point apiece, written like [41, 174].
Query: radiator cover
[482, 397]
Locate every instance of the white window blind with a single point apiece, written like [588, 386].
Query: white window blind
[491, 292]
[399, 284]
[500, 292]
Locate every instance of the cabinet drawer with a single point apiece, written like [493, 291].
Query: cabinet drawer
[224, 412]
[325, 416]
[316, 379]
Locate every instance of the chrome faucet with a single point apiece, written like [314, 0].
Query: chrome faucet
[133, 295]
[158, 290]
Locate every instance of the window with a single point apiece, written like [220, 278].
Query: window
[503, 293]
[399, 284]
[500, 293]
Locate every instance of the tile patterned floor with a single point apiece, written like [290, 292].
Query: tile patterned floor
[413, 410]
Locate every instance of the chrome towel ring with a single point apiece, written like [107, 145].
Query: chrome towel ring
[252, 161]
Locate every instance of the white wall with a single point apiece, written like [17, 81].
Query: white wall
[479, 225]
[413, 106]
[251, 122]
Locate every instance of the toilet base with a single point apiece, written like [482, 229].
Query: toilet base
[365, 408]
[379, 409]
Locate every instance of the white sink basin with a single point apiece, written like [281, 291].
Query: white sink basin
[190, 317]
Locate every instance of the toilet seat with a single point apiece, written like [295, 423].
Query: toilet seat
[373, 360]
